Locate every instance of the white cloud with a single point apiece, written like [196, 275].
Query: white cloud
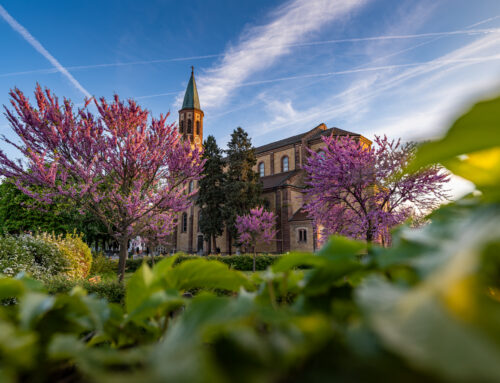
[40, 49]
[443, 79]
[291, 24]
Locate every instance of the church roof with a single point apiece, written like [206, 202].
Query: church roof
[191, 100]
[299, 137]
[300, 215]
[278, 179]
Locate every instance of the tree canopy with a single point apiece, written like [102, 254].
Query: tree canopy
[362, 191]
[211, 198]
[243, 188]
[127, 169]
[20, 213]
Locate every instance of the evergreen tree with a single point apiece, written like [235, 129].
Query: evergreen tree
[211, 193]
[20, 213]
[242, 188]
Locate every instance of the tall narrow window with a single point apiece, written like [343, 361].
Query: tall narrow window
[303, 235]
[262, 169]
[191, 186]
[190, 127]
[198, 128]
[184, 222]
[199, 219]
[181, 127]
[284, 164]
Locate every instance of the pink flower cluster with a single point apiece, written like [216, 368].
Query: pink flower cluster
[361, 191]
[129, 169]
[259, 225]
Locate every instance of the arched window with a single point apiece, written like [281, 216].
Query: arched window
[321, 153]
[191, 186]
[184, 223]
[181, 127]
[284, 164]
[198, 128]
[303, 235]
[190, 127]
[262, 169]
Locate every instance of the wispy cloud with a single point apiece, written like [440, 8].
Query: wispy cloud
[40, 49]
[438, 79]
[262, 49]
[420, 65]
[290, 24]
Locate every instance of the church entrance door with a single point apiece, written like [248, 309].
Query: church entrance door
[200, 244]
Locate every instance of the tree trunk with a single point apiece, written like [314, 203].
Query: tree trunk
[369, 237]
[254, 258]
[122, 258]
[230, 244]
[214, 243]
[209, 245]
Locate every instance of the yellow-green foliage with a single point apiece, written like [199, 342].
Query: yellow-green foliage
[75, 250]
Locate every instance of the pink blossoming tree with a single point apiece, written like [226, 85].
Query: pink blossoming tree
[361, 191]
[256, 226]
[128, 169]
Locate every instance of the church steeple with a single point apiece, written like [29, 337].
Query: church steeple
[191, 115]
[191, 100]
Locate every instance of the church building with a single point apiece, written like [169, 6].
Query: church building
[280, 166]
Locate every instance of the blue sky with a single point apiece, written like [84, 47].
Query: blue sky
[276, 68]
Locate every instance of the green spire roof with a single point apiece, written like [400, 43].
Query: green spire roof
[191, 100]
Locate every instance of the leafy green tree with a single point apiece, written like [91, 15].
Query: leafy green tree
[20, 213]
[211, 193]
[243, 188]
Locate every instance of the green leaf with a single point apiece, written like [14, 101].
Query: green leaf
[162, 267]
[32, 307]
[200, 273]
[138, 287]
[18, 348]
[340, 258]
[415, 324]
[291, 261]
[482, 168]
[341, 246]
[158, 303]
[10, 288]
[476, 130]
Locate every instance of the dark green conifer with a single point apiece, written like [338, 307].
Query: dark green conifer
[211, 193]
[243, 188]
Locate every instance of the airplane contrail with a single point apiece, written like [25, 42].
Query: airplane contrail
[352, 71]
[40, 49]
[311, 43]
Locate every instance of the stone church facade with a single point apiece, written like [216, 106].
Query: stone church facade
[280, 166]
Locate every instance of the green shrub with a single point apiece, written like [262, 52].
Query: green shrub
[102, 265]
[77, 253]
[111, 290]
[242, 262]
[30, 254]
[237, 262]
[133, 264]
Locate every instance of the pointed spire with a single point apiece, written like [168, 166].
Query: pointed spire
[191, 100]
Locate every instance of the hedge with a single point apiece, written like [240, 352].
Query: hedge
[111, 290]
[237, 262]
